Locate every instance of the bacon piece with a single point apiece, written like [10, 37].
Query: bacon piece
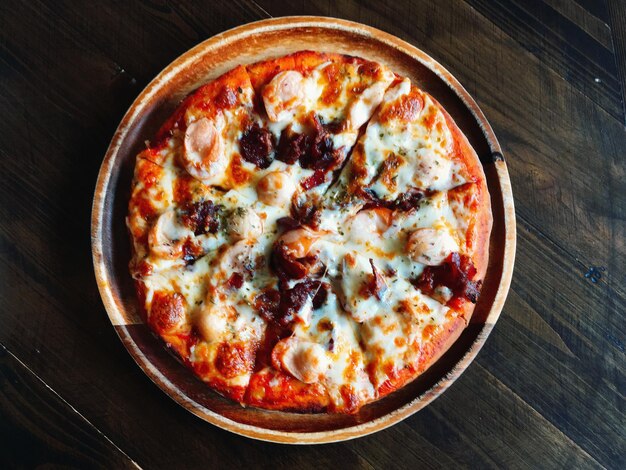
[321, 295]
[293, 255]
[281, 307]
[191, 252]
[288, 223]
[321, 155]
[291, 146]
[409, 200]
[307, 212]
[456, 274]
[285, 265]
[315, 179]
[201, 217]
[235, 281]
[292, 301]
[257, 146]
[267, 304]
[404, 202]
[314, 149]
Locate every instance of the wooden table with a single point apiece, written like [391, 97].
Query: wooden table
[548, 388]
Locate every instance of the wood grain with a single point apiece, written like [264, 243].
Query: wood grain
[617, 20]
[69, 70]
[579, 58]
[39, 428]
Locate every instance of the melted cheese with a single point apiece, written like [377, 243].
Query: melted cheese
[421, 154]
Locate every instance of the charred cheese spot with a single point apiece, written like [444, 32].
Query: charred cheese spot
[167, 312]
[234, 359]
[404, 108]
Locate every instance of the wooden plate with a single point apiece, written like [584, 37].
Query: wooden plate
[111, 249]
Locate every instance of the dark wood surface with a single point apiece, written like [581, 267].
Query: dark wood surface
[547, 390]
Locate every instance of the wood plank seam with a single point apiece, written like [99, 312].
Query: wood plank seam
[538, 414]
[542, 63]
[578, 261]
[617, 19]
[575, 259]
[261, 8]
[65, 402]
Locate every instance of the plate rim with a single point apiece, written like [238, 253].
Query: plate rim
[103, 186]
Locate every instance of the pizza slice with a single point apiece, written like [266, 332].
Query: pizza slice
[408, 277]
[410, 147]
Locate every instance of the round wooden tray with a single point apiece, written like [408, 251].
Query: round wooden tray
[111, 248]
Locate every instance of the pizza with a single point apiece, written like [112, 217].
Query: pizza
[309, 233]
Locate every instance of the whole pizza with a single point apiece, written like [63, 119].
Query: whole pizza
[309, 233]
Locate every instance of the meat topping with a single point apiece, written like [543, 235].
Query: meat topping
[375, 284]
[201, 217]
[286, 265]
[314, 149]
[404, 202]
[456, 273]
[282, 307]
[257, 146]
